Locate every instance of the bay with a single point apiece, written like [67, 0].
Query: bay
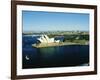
[59, 56]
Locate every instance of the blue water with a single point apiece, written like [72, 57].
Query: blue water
[60, 56]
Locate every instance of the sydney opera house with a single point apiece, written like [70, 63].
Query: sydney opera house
[46, 39]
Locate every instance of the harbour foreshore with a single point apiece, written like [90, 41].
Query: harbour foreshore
[40, 45]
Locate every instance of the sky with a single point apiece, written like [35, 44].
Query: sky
[54, 21]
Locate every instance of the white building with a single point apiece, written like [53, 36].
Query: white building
[46, 39]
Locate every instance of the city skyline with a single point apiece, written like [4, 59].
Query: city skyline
[54, 21]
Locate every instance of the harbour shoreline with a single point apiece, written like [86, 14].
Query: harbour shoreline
[42, 45]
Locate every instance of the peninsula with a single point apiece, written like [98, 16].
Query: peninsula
[45, 41]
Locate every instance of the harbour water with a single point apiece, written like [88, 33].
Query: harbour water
[59, 56]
